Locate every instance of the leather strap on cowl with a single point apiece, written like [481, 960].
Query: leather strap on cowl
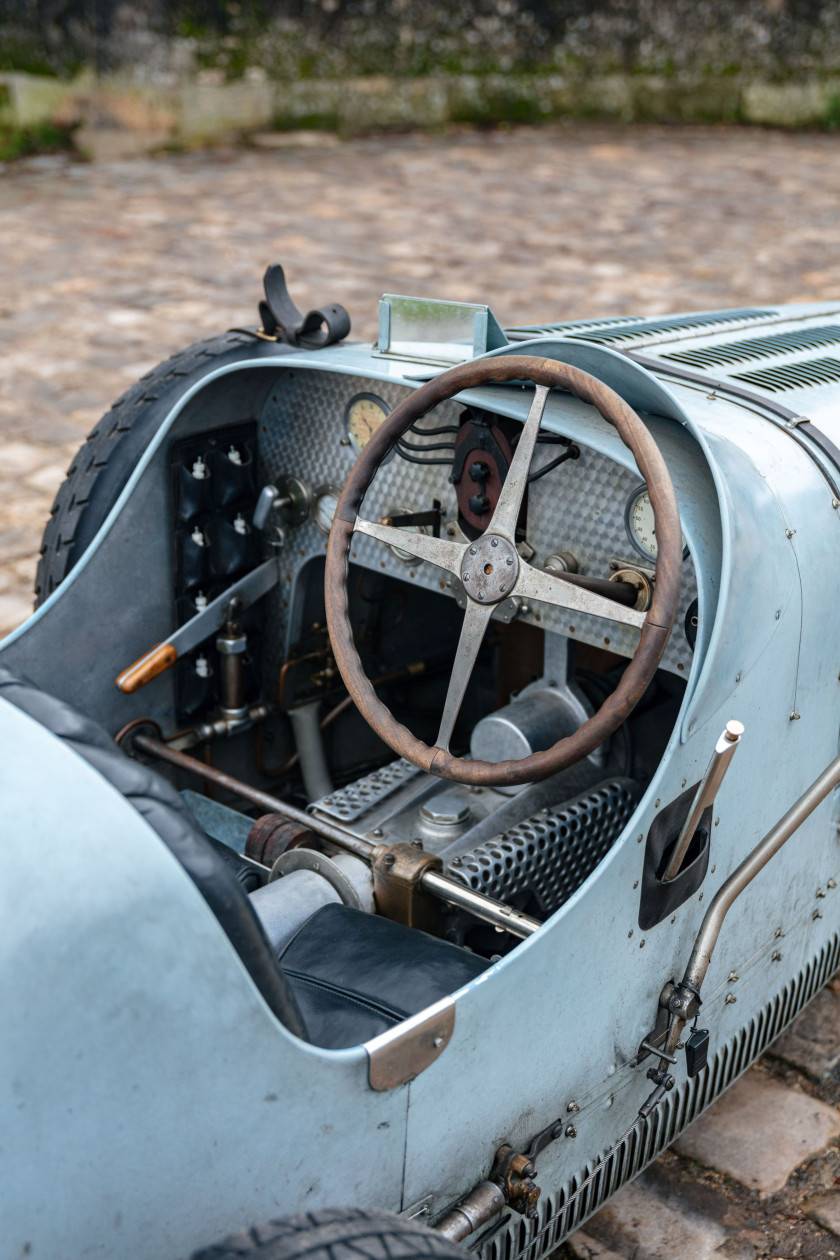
[282, 319]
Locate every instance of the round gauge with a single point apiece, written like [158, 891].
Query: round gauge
[325, 501]
[640, 524]
[406, 556]
[364, 414]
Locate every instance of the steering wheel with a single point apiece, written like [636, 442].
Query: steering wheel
[491, 570]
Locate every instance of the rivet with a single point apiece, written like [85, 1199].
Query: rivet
[737, 678]
[700, 898]
[717, 822]
[629, 934]
[817, 914]
[571, 1131]
[835, 503]
[794, 716]
[776, 956]
[641, 944]
[418, 844]
[684, 782]
[673, 918]
[467, 577]
[377, 831]
[639, 839]
[712, 871]
[573, 1107]
[456, 861]
[831, 883]
[778, 615]
[819, 893]
[635, 883]
[657, 803]
[778, 933]
[789, 533]
[729, 999]
[437, 1043]
[732, 977]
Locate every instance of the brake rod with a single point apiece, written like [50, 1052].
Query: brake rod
[448, 890]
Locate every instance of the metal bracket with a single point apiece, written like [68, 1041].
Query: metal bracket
[651, 1043]
[401, 1053]
[397, 873]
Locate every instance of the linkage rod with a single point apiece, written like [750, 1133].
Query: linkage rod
[346, 840]
[451, 891]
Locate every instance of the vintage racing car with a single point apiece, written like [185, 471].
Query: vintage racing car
[417, 777]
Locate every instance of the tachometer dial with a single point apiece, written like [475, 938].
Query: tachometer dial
[641, 526]
[363, 416]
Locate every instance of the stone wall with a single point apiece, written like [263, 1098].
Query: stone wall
[164, 40]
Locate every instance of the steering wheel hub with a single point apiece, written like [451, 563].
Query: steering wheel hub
[489, 569]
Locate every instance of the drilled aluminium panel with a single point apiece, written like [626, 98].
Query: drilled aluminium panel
[579, 507]
[551, 854]
[349, 803]
[652, 1136]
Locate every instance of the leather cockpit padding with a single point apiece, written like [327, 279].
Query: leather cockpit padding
[355, 975]
[167, 815]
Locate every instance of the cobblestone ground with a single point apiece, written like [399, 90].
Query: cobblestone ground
[107, 269]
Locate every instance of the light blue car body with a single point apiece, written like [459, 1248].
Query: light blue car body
[151, 1102]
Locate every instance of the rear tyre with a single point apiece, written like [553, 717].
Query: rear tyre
[336, 1234]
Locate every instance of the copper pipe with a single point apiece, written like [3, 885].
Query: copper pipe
[289, 664]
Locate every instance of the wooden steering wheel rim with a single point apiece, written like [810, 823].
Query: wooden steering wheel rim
[660, 617]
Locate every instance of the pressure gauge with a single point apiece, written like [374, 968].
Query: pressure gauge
[325, 501]
[641, 526]
[363, 415]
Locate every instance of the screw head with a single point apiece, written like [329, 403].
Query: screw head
[494, 542]
[571, 1131]
[472, 551]
[437, 1043]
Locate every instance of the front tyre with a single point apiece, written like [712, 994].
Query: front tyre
[336, 1234]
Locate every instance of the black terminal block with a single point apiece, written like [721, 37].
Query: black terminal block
[697, 1051]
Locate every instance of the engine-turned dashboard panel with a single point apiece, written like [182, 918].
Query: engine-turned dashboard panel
[589, 507]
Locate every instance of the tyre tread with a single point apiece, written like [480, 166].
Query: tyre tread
[75, 496]
[336, 1234]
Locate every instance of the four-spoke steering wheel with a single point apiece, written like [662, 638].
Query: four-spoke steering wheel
[491, 570]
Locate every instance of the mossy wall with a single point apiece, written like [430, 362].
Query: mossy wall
[163, 40]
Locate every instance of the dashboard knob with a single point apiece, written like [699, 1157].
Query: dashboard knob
[479, 504]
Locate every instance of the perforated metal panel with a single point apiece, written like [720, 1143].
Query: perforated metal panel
[677, 1110]
[350, 802]
[551, 854]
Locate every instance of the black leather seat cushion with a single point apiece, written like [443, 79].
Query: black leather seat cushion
[351, 975]
[355, 975]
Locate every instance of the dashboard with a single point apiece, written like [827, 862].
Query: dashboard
[589, 507]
